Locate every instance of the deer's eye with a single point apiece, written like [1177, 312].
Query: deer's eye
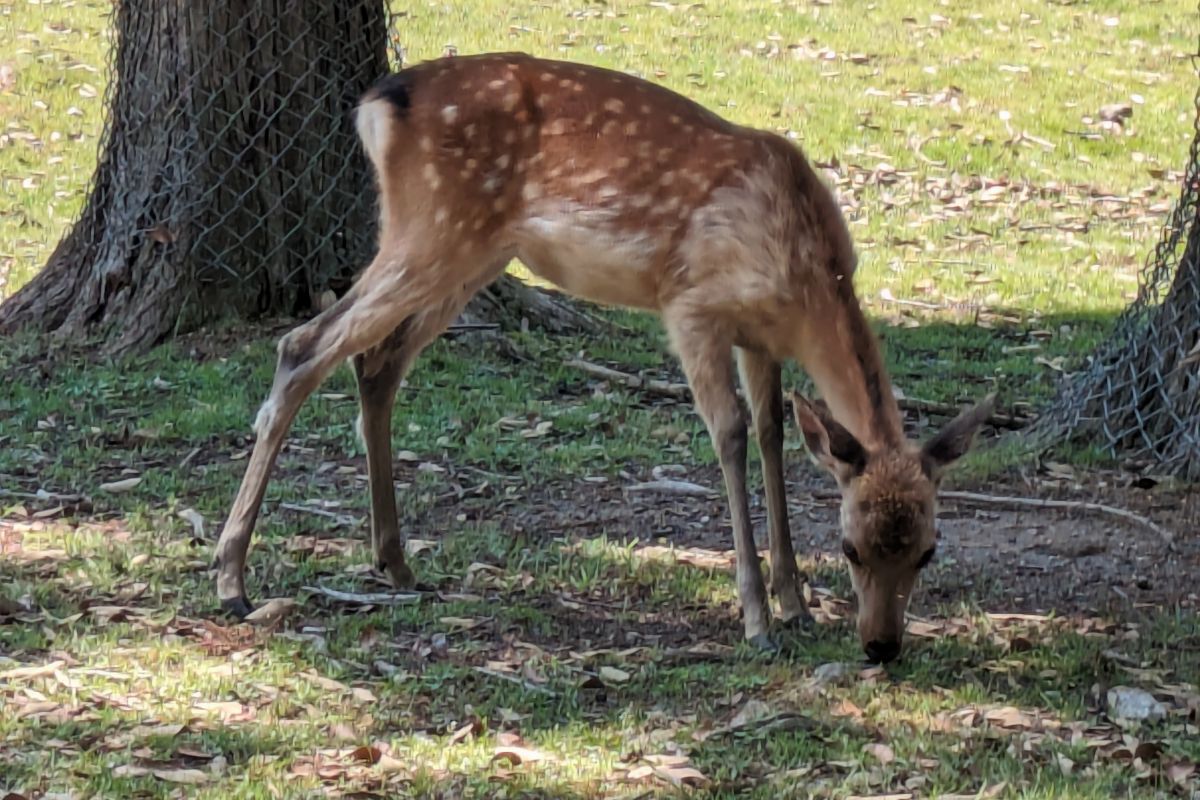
[850, 553]
[926, 557]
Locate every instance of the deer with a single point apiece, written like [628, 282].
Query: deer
[621, 192]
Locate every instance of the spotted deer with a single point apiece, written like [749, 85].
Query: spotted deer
[624, 193]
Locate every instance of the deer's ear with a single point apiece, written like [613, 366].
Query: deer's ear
[834, 447]
[953, 441]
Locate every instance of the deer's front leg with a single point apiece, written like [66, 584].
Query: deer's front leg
[707, 359]
[761, 377]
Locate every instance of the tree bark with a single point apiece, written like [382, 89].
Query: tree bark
[1140, 395]
[230, 180]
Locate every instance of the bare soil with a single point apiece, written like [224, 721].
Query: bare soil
[1000, 559]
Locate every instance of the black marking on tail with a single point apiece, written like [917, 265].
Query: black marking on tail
[396, 89]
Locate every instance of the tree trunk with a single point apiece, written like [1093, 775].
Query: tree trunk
[1139, 397]
[230, 179]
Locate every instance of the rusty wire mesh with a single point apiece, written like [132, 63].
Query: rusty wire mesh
[234, 146]
[1138, 397]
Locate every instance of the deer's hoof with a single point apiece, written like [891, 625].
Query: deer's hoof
[400, 575]
[237, 607]
[763, 643]
[800, 623]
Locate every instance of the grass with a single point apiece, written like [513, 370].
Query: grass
[954, 135]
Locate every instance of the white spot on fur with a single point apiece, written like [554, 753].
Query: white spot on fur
[439, 216]
[492, 184]
[594, 176]
[431, 176]
[496, 84]
[631, 128]
[666, 179]
[622, 162]
[557, 127]
[547, 76]
[449, 114]
[614, 105]
[503, 161]
[531, 191]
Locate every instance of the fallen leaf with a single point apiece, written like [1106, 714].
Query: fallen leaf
[185, 776]
[271, 611]
[115, 487]
[519, 755]
[880, 752]
[1181, 772]
[193, 518]
[613, 675]
[682, 775]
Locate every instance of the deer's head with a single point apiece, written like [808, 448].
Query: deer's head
[889, 510]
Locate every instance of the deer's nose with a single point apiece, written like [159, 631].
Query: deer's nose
[882, 652]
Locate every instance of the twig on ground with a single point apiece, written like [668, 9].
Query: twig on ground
[1035, 502]
[677, 391]
[671, 486]
[1076, 505]
[340, 519]
[533, 687]
[366, 598]
[997, 418]
[681, 391]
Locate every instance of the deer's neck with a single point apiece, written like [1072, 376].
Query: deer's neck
[844, 360]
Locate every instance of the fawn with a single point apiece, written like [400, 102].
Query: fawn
[624, 193]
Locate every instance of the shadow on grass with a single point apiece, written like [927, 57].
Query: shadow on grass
[606, 652]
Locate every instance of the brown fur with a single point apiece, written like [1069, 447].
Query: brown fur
[625, 193]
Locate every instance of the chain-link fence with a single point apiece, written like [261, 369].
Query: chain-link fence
[1139, 396]
[287, 194]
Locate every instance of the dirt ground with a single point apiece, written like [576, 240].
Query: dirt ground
[1005, 560]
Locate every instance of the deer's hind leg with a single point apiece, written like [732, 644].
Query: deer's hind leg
[379, 372]
[392, 289]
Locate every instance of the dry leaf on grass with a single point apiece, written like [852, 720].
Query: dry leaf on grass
[614, 675]
[115, 487]
[374, 755]
[271, 611]
[880, 752]
[190, 777]
[514, 755]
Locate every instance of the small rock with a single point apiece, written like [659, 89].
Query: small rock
[752, 711]
[1136, 705]
[832, 673]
